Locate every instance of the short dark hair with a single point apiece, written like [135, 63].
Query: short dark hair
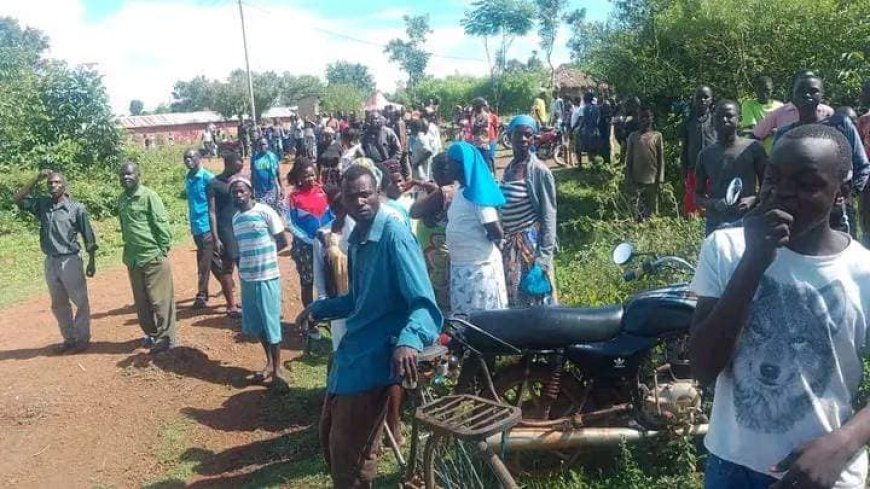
[300, 165]
[723, 103]
[231, 157]
[843, 156]
[356, 171]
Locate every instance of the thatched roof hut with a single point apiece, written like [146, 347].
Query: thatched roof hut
[571, 82]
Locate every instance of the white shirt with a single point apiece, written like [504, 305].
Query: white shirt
[799, 362]
[466, 237]
[435, 138]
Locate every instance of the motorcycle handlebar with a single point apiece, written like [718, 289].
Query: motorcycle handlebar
[654, 265]
[639, 272]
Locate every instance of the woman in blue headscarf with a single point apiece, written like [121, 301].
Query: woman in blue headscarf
[529, 220]
[473, 232]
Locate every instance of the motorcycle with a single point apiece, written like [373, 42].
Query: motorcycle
[548, 143]
[588, 376]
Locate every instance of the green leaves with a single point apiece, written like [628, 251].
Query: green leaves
[342, 98]
[353, 74]
[661, 49]
[410, 54]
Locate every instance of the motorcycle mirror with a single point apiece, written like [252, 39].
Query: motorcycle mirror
[622, 253]
[735, 188]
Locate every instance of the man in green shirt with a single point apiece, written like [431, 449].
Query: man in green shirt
[145, 231]
[753, 111]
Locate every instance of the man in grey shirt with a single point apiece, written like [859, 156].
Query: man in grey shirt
[728, 158]
[61, 220]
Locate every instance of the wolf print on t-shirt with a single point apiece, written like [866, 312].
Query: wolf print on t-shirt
[786, 351]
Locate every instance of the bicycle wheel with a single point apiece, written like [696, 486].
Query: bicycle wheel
[449, 463]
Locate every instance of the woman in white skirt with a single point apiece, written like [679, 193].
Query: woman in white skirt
[473, 233]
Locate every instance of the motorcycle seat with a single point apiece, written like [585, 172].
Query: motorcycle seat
[542, 328]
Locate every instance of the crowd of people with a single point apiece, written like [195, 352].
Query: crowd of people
[389, 232]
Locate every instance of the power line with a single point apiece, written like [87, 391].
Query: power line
[363, 41]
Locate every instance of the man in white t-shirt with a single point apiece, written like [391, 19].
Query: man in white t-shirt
[781, 328]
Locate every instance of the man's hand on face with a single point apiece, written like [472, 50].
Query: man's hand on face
[816, 465]
[765, 229]
[405, 364]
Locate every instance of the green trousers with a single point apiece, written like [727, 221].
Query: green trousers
[154, 296]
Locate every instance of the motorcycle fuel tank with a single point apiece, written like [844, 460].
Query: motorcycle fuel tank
[660, 312]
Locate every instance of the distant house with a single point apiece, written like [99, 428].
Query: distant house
[571, 82]
[186, 127]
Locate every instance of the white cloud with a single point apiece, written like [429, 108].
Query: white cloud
[144, 47]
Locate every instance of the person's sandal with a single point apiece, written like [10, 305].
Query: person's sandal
[200, 303]
[235, 313]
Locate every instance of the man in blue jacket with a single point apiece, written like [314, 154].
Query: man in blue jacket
[391, 316]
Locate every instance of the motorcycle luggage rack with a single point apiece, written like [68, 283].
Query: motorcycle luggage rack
[468, 417]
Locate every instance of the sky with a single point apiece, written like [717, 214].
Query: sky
[142, 47]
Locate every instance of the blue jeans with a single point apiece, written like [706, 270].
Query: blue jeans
[726, 475]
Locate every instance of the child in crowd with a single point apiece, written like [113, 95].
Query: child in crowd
[330, 258]
[645, 164]
[259, 231]
[397, 191]
[307, 211]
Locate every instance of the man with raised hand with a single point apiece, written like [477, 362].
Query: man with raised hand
[61, 221]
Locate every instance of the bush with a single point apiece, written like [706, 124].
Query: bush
[518, 90]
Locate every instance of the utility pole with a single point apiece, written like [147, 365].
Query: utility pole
[248, 65]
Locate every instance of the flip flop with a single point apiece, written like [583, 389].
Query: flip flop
[234, 313]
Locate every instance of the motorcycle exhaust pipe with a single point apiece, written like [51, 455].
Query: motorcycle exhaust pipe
[543, 439]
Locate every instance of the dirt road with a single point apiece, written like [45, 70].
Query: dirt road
[113, 416]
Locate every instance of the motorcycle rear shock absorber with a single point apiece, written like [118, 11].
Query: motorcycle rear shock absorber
[554, 384]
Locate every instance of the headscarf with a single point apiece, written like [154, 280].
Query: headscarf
[523, 120]
[368, 163]
[239, 178]
[480, 187]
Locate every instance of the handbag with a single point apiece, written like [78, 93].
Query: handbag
[536, 283]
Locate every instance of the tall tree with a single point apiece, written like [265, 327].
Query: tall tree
[409, 54]
[19, 47]
[503, 20]
[353, 74]
[136, 107]
[50, 112]
[342, 98]
[550, 14]
[297, 88]
[195, 94]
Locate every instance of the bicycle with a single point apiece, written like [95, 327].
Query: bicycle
[452, 430]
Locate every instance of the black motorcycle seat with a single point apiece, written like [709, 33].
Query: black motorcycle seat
[544, 327]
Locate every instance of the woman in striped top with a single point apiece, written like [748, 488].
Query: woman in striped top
[528, 218]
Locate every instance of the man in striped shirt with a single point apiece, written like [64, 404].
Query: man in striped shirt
[259, 232]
